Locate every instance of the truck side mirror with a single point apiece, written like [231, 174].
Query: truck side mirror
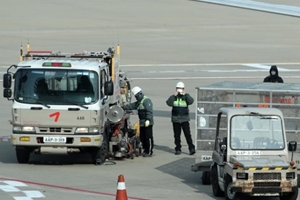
[109, 88]
[223, 147]
[292, 146]
[7, 93]
[7, 80]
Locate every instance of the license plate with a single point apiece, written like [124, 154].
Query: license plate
[55, 139]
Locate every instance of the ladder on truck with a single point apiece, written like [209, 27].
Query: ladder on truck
[46, 54]
[101, 56]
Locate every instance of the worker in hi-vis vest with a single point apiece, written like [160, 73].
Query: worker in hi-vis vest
[144, 107]
[179, 101]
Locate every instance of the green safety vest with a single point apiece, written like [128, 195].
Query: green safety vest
[141, 109]
[180, 107]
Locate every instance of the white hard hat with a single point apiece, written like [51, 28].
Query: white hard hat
[180, 85]
[136, 90]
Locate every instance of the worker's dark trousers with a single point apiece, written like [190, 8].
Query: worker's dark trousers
[185, 126]
[146, 135]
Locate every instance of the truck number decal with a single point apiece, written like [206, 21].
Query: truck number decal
[56, 115]
[247, 153]
[206, 158]
[55, 139]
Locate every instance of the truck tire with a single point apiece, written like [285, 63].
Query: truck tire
[290, 196]
[215, 183]
[105, 145]
[206, 177]
[22, 154]
[97, 156]
[229, 194]
[298, 180]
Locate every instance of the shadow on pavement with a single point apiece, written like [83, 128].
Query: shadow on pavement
[7, 153]
[181, 169]
[163, 148]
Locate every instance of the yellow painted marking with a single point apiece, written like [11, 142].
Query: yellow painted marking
[265, 168]
[252, 168]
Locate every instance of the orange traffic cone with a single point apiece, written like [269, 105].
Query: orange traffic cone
[121, 190]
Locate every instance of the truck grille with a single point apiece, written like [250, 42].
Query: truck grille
[55, 130]
[267, 176]
[266, 184]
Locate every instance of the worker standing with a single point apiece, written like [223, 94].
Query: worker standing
[274, 75]
[179, 102]
[144, 107]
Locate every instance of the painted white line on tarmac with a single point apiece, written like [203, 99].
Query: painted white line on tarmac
[15, 183]
[20, 190]
[234, 70]
[206, 78]
[34, 194]
[209, 64]
[165, 71]
[212, 70]
[259, 6]
[267, 67]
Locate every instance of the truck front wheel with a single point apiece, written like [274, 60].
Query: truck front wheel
[206, 177]
[215, 182]
[290, 196]
[98, 157]
[100, 154]
[229, 193]
[22, 154]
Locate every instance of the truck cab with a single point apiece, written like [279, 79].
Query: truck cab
[250, 155]
[60, 102]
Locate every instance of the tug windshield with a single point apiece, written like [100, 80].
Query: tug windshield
[56, 86]
[258, 132]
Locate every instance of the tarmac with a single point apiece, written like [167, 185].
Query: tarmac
[162, 42]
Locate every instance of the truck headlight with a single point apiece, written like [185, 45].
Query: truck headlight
[290, 175]
[17, 128]
[242, 176]
[83, 130]
[27, 129]
[94, 130]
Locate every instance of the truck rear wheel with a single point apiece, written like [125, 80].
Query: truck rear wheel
[229, 193]
[215, 182]
[22, 154]
[290, 196]
[206, 177]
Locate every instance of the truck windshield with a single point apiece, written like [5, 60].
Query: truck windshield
[256, 132]
[56, 86]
